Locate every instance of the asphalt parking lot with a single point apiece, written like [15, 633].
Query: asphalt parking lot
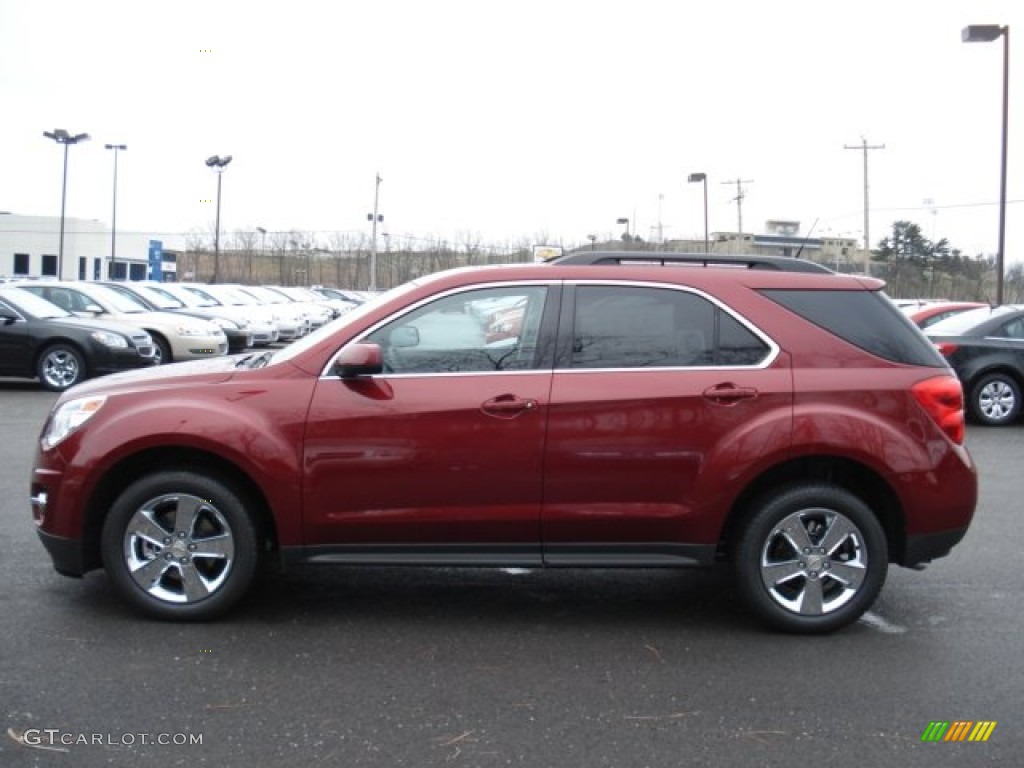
[437, 667]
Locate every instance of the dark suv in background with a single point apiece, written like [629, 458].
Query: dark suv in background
[679, 411]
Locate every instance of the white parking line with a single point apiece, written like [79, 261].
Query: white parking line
[875, 621]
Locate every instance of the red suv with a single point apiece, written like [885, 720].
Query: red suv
[762, 412]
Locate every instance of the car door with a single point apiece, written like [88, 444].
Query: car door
[439, 458]
[658, 395]
[15, 343]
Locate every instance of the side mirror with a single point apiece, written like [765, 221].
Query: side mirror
[95, 309]
[405, 336]
[358, 360]
[7, 317]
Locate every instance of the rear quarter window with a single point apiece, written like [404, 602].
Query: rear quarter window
[866, 319]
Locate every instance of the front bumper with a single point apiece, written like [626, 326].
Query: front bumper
[66, 554]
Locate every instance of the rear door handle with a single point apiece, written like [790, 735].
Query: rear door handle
[729, 393]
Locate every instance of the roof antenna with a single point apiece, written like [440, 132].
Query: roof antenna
[806, 238]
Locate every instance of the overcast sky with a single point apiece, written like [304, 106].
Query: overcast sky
[510, 122]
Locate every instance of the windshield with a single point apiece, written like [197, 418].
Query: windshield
[962, 322]
[161, 299]
[112, 301]
[328, 329]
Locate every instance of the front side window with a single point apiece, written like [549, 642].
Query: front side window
[618, 326]
[483, 330]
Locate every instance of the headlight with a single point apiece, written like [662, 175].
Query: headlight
[225, 324]
[108, 339]
[70, 417]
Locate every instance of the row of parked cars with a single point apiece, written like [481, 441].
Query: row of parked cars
[63, 332]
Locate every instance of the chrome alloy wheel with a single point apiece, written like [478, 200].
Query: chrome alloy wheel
[60, 368]
[179, 548]
[814, 562]
[997, 400]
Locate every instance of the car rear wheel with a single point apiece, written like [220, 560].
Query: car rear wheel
[811, 559]
[995, 400]
[61, 366]
[180, 545]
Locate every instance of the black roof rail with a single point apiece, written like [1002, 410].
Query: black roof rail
[662, 258]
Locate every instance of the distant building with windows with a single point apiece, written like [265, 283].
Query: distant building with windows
[30, 247]
[782, 238]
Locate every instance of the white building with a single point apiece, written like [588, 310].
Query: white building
[30, 247]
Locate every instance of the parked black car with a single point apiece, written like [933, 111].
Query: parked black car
[40, 340]
[986, 349]
[237, 331]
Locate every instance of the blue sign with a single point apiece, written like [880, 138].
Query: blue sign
[156, 260]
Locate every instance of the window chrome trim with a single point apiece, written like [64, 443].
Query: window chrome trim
[773, 349]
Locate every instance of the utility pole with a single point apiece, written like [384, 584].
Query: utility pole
[740, 194]
[864, 147]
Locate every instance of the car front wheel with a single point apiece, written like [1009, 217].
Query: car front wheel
[811, 559]
[995, 400]
[180, 545]
[60, 366]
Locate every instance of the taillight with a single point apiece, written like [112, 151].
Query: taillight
[945, 348]
[943, 399]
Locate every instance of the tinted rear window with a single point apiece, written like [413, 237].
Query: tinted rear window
[866, 319]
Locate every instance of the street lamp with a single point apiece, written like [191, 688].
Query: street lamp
[375, 218]
[63, 137]
[986, 33]
[703, 177]
[217, 164]
[625, 221]
[113, 219]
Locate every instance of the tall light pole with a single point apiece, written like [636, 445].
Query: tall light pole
[113, 218]
[217, 164]
[986, 33]
[375, 218]
[703, 178]
[263, 250]
[67, 139]
[624, 220]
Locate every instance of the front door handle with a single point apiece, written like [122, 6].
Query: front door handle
[729, 394]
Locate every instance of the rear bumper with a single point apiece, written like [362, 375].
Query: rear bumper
[926, 547]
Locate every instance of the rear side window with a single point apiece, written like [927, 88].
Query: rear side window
[866, 319]
[618, 326]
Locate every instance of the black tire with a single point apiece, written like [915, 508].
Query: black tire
[161, 350]
[995, 400]
[810, 559]
[61, 366]
[180, 545]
